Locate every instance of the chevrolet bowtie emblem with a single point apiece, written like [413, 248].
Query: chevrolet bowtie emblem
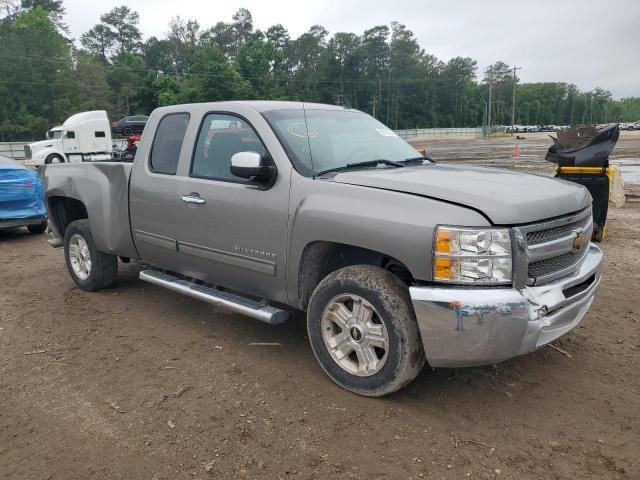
[580, 240]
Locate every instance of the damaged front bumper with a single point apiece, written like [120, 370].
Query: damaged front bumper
[478, 326]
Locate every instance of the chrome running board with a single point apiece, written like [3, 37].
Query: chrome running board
[246, 306]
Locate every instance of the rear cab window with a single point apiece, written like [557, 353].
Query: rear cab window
[167, 143]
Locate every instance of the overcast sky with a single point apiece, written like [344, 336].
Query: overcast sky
[587, 42]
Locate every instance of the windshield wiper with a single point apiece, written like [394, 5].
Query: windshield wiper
[370, 163]
[419, 159]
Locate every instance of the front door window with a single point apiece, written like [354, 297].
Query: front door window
[222, 136]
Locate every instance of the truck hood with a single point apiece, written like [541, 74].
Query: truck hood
[505, 197]
[44, 144]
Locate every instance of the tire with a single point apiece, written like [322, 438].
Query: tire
[127, 131]
[38, 228]
[53, 158]
[102, 270]
[390, 316]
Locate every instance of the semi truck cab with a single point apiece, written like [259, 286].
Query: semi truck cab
[85, 136]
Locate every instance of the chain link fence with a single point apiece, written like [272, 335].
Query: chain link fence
[424, 132]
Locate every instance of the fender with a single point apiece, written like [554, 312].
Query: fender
[393, 223]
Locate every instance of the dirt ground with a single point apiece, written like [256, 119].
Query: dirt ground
[136, 382]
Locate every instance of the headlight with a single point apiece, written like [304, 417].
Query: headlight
[472, 255]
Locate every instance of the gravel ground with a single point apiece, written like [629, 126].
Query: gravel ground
[136, 382]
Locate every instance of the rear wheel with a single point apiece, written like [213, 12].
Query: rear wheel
[39, 228]
[53, 158]
[127, 131]
[363, 330]
[90, 269]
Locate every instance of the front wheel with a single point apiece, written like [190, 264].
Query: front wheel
[90, 269]
[53, 158]
[363, 330]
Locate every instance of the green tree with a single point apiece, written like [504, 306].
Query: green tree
[54, 8]
[122, 23]
[214, 79]
[90, 76]
[100, 41]
[126, 78]
[181, 44]
[255, 62]
[36, 87]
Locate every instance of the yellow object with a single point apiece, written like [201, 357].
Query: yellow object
[611, 173]
[616, 185]
[616, 188]
[443, 241]
[442, 269]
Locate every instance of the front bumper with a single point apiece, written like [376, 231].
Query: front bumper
[466, 326]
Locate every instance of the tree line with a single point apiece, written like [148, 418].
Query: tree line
[45, 76]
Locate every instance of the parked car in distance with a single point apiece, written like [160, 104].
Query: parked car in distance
[84, 136]
[129, 125]
[395, 259]
[634, 126]
[21, 197]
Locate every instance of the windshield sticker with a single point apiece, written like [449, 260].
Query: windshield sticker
[385, 132]
[300, 130]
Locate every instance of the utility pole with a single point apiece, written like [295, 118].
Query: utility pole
[513, 101]
[490, 88]
[388, 97]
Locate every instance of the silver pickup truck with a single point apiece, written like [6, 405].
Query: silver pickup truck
[267, 206]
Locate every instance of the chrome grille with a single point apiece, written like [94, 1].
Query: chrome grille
[550, 247]
[554, 233]
[549, 266]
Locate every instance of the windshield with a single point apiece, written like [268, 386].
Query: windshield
[54, 134]
[319, 140]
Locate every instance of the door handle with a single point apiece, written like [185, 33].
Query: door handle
[193, 199]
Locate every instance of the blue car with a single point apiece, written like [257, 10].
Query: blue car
[21, 197]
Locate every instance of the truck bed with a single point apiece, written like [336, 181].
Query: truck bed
[103, 190]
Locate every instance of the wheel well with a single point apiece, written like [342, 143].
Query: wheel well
[64, 210]
[319, 259]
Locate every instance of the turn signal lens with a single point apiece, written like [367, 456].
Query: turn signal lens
[442, 269]
[443, 241]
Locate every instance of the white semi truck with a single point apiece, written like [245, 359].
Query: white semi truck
[85, 136]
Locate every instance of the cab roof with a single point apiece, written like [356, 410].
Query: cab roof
[259, 105]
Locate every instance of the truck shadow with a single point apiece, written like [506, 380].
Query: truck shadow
[17, 234]
[285, 348]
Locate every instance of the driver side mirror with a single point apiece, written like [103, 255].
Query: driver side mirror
[253, 166]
